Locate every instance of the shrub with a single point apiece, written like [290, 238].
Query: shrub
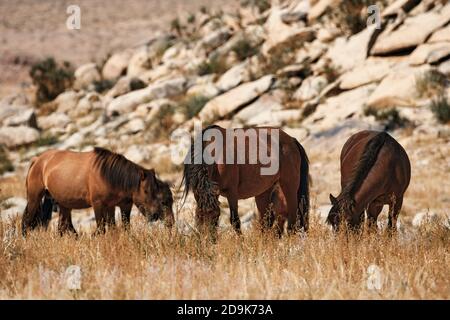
[5, 164]
[441, 108]
[430, 84]
[192, 105]
[101, 86]
[191, 18]
[136, 84]
[244, 49]
[46, 140]
[390, 118]
[51, 79]
[260, 5]
[214, 64]
[176, 26]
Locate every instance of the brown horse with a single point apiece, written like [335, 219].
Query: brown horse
[375, 170]
[100, 179]
[281, 195]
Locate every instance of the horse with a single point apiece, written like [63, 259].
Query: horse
[100, 179]
[375, 170]
[282, 195]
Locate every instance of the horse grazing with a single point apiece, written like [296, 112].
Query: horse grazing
[375, 170]
[281, 195]
[100, 179]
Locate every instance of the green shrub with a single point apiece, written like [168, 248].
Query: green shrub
[192, 105]
[136, 84]
[213, 65]
[191, 18]
[51, 79]
[260, 5]
[441, 108]
[101, 86]
[390, 118]
[244, 49]
[46, 140]
[5, 164]
[431, 83]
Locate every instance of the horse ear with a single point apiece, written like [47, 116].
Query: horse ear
[333, 200]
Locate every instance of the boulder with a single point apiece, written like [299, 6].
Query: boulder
[85, 76]
[430, 53]
[414, 31]
[266, 104]
[233, 77]
[440, 35]
[134, 126]
[116, 65]
[73, 141]
[319, 8]
[371, 70]
[140, 62]
[24, 117]
[137, 154]
[158, 90]
[280, 33]
[398, 88]
[16, 208]
[444, 67]
[232, 100]
[215, 39]
[208, 90]
[13, 137]
[310, 88]
[399, 5]
[68, 101]
[275, 118]
[347, 53]
[86, 104]
[54, 120]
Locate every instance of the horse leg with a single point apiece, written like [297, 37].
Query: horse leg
[291, 204]
[33, 208]
[100, 218]
[394, 210]
[234, 215]
[265, 208]
[373, 211]
[65, 221]
[111, 218]
[125, 212]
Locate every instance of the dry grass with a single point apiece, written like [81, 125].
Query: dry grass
[150, 263]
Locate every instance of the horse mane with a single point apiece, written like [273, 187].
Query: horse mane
[195, 178]
[117, 170]
[363, 166]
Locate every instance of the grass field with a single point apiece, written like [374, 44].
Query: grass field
[152, 263]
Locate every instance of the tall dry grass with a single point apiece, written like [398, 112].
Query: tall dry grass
[151, 263]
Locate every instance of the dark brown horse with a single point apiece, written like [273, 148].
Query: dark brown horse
[100, 179]
[375, 170]
[282, 194]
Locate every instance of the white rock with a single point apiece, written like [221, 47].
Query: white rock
[116, 65]
[371, 70]
[310, 88]
[137, 154]
[216, 38]
[85, 76]
[75, 140]
[67, 101]
[319, 8]
[25, 117]
[430, 53]
[18, 136]
[412, 32]
[424, 217]
[16, 208]
[130, 101]
[208, 90]
[54, 120]
[266, 104]
[441, 35]
[397, 89]
[233, 77]
[235, 98]
[134, 126]
[140, 62]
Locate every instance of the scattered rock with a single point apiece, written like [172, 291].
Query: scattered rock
[430, 53]
[85, 76]
[130, 101]
[233, 77]
[13, 137]
[25, 117]
[16, 207]
[411, 33]
[116, 66]
[231, 101]
[67, 101]
[54, 120]
[441, 35]
[371, 70]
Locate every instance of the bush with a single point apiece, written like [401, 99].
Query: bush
[441, 108]
[46, 140]
[389, 117]
[431, 83]
[350, 16]
[5, 164]
[51, 79]
[214, 64]
[103, 85]
[260, 5]
[192, 105]
[244, 49]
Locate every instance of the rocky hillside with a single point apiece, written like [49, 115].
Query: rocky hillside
[314, 68]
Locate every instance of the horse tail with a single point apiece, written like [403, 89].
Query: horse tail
[303, 189]
[45, 214]
[365, 163]
[196, 178]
